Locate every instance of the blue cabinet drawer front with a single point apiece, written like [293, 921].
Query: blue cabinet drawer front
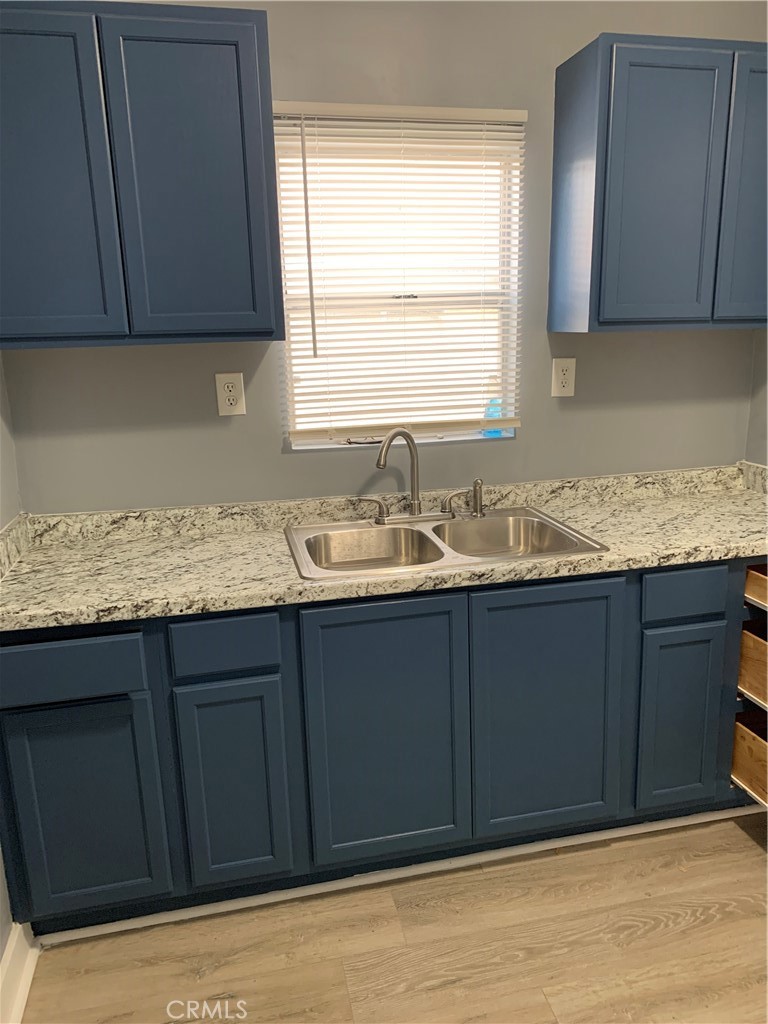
[71, 670]
[243, 643]
[685, 593]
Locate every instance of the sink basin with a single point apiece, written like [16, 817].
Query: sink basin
[432, 542]
[504, 536]
[367, 549]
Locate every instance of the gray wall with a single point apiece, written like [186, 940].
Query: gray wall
[9, 506]
[138, 427]
[757, 442]
[10, 503]
[5, 910]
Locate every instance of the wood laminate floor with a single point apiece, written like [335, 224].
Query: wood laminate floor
[666, 927]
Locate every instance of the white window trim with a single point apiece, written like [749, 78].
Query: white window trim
[294, 108]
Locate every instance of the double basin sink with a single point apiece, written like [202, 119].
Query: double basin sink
[368, 549]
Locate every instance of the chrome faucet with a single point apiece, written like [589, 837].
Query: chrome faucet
[414, 506]
[475, 495]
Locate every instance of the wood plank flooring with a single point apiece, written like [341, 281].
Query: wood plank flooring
[667, 927]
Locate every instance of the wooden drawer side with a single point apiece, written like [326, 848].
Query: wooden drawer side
[753, 667]
[756, 586]
[750, 761]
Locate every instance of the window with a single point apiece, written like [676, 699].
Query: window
[401, 262]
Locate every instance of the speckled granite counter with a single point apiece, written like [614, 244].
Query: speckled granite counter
[103, 567]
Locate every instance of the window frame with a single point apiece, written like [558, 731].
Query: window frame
[376, 112]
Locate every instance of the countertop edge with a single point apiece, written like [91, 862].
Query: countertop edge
[304, 592]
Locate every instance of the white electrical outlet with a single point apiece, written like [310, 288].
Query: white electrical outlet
[230, 394]
[563, 378]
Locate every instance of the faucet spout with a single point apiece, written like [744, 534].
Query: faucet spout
[381, 462]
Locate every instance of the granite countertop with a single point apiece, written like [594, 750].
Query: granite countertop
[106, 567]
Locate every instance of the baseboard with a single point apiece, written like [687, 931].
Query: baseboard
[17, 968]
[390, 874]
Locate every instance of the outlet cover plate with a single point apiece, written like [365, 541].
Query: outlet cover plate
[230, 394]
[563, 378]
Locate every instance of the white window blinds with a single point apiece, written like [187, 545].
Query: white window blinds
[401, 262]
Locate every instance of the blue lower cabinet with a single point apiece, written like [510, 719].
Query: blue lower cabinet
[235, 781]
[89, 809]
[546, 664]
[682, 680]
[387, 712]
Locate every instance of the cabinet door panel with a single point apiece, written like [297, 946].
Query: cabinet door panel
[235, 780]
[666, 151]
[387, 704]
[88, 801]
[190, 117]
[546, 681]
[60, 269]
[682, 677]
[742, 270]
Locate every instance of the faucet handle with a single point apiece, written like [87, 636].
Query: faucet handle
[382, 505]
[446, 505]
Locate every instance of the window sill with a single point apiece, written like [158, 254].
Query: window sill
[336, 446]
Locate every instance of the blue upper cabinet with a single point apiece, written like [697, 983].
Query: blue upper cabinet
[191, 126]
[742, 271]
[60, 268]
[546, 687]
[642, 129]
[667, 130]
[189, 136]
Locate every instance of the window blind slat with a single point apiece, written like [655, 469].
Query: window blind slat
[401, 263]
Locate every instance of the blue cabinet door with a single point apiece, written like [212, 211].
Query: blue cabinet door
[682, 679]
[235, 779]
[191, 125]
[60, 268]
[742, 271]
[546, 664]
[89, 807]
[666, 152]
[387, 709]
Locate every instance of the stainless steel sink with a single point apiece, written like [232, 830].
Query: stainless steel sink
[504, 536]
[362, 550]
[431, 543]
